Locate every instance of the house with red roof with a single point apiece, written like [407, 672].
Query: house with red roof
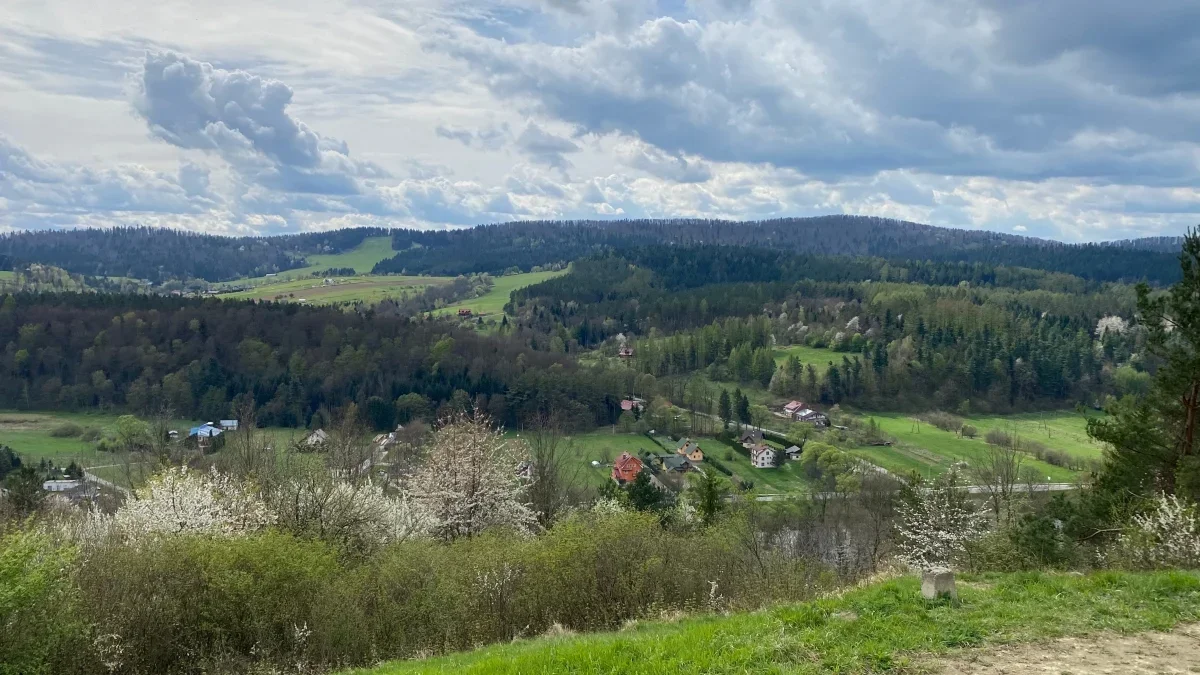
[626, 468]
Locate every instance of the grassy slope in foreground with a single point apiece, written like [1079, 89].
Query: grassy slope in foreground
[884, 627]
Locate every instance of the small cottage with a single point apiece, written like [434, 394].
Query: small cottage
[690, 449]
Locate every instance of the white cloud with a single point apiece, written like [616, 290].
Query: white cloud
[1078, 120]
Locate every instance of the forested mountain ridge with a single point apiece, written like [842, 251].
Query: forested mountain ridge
[161, 254]
[494, 248]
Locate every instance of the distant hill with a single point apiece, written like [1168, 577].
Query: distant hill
[160, 254]
[493, 248]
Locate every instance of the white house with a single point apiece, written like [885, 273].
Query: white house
[229, 425]
[762, 456]
[316, 438]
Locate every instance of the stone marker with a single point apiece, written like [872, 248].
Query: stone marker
[938, 583]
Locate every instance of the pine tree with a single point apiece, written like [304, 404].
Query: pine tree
[724, 409]
[742, 407]
[1155, 440]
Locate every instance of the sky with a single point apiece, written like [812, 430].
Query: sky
[1076, 120]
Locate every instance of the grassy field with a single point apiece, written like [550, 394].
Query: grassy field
[361, 258]
[369, 289]
[1065, 431]
[819, 357]
[29, 434]
[6, 275]
[931, 451]
[494, 300]
[884, 627]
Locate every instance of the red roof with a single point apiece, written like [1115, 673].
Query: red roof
[626, 468]
[794, 406]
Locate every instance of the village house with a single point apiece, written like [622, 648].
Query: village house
[464, 312]
[817, 419]
[633, 404]
[316, 438]
[204, 434]
[750, 438]
[799, 411]
[625, 352]
[763, 456]
[793, 452]
[228, 425]
[676, 464]
[690, 449]
[626, 468]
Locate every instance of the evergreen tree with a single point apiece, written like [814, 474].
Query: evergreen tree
[724, 409]
[1155, 444]
[741, 407]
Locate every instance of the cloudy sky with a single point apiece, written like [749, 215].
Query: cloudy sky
[1071, 119]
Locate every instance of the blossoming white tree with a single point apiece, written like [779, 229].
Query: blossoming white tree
[182, 501]
[469, 480]
[1111, 324]
[936, 523]
[358, 517]
[1167, 535]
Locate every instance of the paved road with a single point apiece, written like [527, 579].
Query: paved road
[972, 489]
[89, 476]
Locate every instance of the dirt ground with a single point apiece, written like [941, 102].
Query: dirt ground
[1143, 654]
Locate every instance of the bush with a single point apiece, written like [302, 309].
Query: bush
[186, 603]
[66, 430]
[43, 632]
[90, 434]
[969, 431]
[945, 421]
[1000, 438]
[196, 604]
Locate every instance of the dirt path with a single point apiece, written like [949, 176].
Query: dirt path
[1143, 654]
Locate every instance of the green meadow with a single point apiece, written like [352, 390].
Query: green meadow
[493, 301]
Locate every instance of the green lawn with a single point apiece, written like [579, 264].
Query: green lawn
[361, 258]
[903, 460]
[924, 443]
[884, 627]
[28, 433]
[1060, 430]
[369, 289]
[494, 300]
[819, 357]
[604, 446]
[6, 275]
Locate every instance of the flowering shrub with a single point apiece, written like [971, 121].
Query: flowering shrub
[1168, 535]
[357, 517]
[178, 500]
[935, 525]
